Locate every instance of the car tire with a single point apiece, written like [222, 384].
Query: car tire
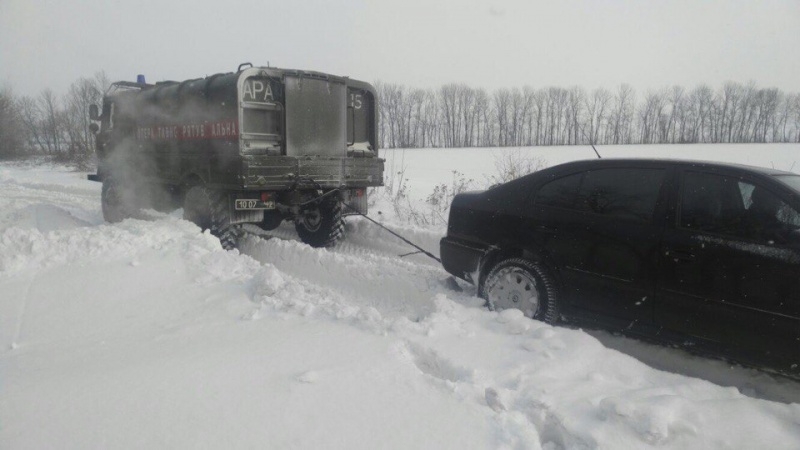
[210, 210]
[114, 201]
[524, 285]
[321, 225]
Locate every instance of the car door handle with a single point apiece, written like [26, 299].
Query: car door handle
[680, 255]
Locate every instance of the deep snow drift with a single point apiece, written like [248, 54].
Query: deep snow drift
[146, 334]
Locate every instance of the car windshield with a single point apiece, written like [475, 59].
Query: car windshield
[792, 180]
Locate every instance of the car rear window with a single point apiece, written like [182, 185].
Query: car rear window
[559, 193]
[621, 193]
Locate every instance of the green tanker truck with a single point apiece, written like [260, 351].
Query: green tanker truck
[260, 146]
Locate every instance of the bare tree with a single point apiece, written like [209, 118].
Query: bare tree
[702, 101]
[539, 109]
[795, 106]
[390, 99]
[466, 107]
[675, 101]
[451, 114]
[556, 107]
[11, 136]
[429, 120]
[482, 118]
[502, 100]
[81, 95]
[575, 100]
[51, 121]
[457, 115]
[596, 107]
[650, 116]
[621, 116]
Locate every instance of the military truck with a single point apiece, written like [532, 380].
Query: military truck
[259, 146]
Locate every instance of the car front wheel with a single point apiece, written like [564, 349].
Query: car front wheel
[517, 283]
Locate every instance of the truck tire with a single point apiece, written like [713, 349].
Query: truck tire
[113, 201]
[209, 210]
[272, 220]
[321, 225]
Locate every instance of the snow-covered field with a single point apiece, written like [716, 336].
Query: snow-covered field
[146, 334]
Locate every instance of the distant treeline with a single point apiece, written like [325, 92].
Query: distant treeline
[457, 115]
[51, 125]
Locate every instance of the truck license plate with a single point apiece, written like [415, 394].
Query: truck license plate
[247, 203]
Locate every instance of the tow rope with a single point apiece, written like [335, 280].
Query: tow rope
[420, 249]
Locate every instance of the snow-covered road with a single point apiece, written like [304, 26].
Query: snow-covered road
[146, 334]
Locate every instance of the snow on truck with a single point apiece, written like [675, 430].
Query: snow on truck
[260, 146]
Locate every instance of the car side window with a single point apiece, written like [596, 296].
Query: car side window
[736, 208]
[621, 193]
[560, 192]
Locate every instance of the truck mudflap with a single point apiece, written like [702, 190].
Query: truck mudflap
[276, 172]
[355, 201]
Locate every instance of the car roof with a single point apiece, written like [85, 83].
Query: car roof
[605, 162]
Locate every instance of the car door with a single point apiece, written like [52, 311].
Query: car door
[555, 225]
[727, 277]
[605, 240]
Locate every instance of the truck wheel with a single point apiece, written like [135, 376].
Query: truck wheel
[209, 210]
[321, 225]
[520, 284]
[272, 220]
[114, 201]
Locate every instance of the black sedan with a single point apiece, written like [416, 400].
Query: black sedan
[705, 254]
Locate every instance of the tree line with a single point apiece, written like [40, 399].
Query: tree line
[51, 125]
[457, 115]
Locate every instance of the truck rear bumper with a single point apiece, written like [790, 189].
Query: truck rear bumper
[282, 172]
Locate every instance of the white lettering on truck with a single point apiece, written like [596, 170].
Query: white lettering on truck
[257, 91]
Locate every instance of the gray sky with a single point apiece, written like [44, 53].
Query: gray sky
[421, 43]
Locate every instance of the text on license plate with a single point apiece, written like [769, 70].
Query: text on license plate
[247, 203]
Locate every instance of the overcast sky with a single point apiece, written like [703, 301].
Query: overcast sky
[421, 43]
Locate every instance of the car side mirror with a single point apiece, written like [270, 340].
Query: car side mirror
[94, 112]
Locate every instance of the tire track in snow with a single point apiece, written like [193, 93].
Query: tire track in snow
[393, 286]
[346, 283]
[18, 200]
[23, 311]
[363, 237]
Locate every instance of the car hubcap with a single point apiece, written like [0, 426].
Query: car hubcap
[514, 288]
